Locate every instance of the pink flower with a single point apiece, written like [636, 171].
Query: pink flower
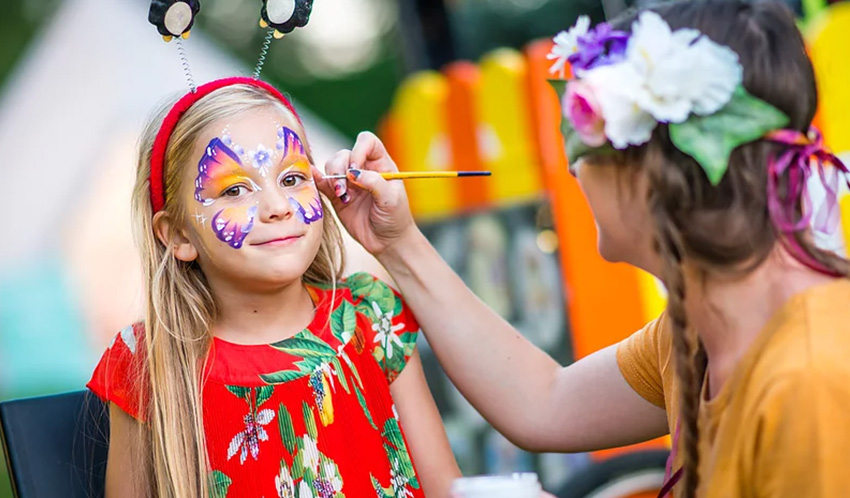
[582, 109]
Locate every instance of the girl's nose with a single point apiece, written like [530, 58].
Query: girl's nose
[274, 206]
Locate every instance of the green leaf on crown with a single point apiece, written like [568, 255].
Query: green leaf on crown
[710, 140]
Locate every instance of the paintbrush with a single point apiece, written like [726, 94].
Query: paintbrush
[415, 175]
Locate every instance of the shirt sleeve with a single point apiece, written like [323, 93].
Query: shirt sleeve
[639, 359]
[802, 438]
[117, 377]
[392, 329]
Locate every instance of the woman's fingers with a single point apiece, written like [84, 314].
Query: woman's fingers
[369, 152]
[370, 181]
[337, 165]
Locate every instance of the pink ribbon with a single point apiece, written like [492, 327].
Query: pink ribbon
[796, 164]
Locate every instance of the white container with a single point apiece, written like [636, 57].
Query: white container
[524, 485]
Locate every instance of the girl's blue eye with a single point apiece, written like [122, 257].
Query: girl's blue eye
[292, 180]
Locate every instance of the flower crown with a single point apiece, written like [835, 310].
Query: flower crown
[626, 84]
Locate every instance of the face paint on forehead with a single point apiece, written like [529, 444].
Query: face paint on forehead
[289, 142]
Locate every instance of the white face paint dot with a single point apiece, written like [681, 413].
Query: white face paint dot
[177, 18]
[279, 11]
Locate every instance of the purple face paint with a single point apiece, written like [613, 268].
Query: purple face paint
[315, 212]
[220, 169]
[297, 180]
[229, 228]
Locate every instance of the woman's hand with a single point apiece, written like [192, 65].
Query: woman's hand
[374, 211]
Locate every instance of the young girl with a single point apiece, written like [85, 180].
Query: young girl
[687, 126]
[256, 373]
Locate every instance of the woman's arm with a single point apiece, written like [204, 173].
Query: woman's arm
[521, 390]
[121, 470]
[423, 428]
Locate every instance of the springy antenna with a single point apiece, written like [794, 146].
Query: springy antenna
[263, 52]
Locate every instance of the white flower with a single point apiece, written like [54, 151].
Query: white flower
[626, 123]
[566, 44]
[386, 330]
[261, 158]
[666, 76]
[332, 477]
[310, 453]
[304, 490]
[719, 73]
[679, 72]
[284, 484]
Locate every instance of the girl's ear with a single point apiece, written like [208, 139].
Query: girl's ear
[173, 237]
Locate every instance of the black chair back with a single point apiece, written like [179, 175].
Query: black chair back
[56, 446]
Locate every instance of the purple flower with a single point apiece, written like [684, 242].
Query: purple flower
[600, 46]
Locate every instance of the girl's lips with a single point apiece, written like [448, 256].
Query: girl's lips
[280, 241]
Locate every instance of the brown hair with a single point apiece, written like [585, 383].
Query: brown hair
[724, 228]
[181, 307]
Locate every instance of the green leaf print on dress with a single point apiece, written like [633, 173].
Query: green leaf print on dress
[312, 473]
[343, 322]
[218, 484]
[311, 350]
[402, 474]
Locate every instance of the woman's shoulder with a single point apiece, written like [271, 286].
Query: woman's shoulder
[808, 337]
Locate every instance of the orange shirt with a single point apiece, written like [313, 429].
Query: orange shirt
[780, 426]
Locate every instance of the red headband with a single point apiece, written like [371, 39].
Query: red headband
[157, 180]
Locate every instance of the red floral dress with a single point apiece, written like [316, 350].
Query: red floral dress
[309, 416]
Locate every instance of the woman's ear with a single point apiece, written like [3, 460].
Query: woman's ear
[173, 237]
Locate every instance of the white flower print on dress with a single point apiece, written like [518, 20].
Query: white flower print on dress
[304, 490]
[399, 481]
[310, 453]
[249, 439]
[386, 331]
[284, 484]
[330, 475]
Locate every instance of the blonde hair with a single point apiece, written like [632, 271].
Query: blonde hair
[180, 306]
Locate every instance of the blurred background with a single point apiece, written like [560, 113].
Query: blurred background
[448, 84]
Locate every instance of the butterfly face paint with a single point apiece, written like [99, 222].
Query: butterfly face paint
[297, 179]
[226, 174]
[221, 175]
